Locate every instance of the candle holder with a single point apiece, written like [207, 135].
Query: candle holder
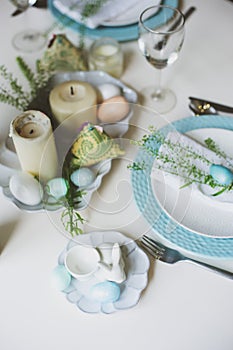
[106, 55]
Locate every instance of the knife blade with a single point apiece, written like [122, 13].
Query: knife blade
[217, 106]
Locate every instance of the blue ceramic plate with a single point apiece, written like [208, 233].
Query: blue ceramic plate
[121, 33]
[162, 223]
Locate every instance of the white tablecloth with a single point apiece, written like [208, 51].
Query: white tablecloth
[183, 306]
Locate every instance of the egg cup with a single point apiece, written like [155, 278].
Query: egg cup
[82, 261]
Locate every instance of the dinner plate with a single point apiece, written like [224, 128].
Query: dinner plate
[130, 16]
[9, 164]
[136, 269]
[120, 33]
[189, 206]
[198, 240]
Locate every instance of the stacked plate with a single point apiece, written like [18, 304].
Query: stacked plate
[122, 28]
[198, 224]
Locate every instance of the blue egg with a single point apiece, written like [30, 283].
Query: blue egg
[61, 278]
[105, 292]
[221, 174]
[57, 187]
[82, 177]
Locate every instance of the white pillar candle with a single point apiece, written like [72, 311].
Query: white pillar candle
[73, 102]
[34, 142]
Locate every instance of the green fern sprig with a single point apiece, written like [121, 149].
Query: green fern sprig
[180, 166]
[14, 94]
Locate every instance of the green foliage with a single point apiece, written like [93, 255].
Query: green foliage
[180, 166]
[13, 93]
[90, 9]
[70, 217]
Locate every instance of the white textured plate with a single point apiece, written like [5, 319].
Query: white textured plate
[8, 160]
[137, 266]
[130, 16]
[190, 207]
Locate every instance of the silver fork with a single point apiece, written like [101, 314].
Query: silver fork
[172, 256]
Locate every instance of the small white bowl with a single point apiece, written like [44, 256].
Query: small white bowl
[82, 261]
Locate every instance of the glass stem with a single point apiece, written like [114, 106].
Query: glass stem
[157, 94]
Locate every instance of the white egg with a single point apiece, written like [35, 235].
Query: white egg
[108, 90]
[57, 187]
[60, 277]
[26, 188]
[82, 177]
[105, 292]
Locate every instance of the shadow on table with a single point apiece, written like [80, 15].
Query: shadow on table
[6, 231]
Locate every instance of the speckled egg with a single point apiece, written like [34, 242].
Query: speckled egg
[60, 278]
[26, 188]
[107, 90]
[82, 177]
[57, 187]
[113, 109]
[221, 174]
[105, 292]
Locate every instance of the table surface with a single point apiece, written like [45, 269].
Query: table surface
[183, 306]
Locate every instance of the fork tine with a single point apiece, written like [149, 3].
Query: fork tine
[151, 250]
[154, 244]
[152, 247]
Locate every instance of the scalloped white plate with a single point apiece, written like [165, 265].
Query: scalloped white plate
[8, 159]
[137, 266]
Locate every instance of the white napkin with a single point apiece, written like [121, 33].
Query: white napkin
[176, 181]
[111, 9]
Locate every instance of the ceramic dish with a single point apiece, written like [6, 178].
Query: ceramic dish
[100, 169]
[189, 206]
[164, 224]
[137, 265]
[94, 78]
[8, 160]
[131, 15]
[120, 33]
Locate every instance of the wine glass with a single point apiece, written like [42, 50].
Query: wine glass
[161, 35]
[28, 40]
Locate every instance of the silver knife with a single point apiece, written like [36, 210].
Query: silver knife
[42, 4]
[219, 107]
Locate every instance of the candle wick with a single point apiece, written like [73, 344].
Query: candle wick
[72, 90]
[31, 131]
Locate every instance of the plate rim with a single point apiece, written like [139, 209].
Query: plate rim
[184, 238]
[120, 33]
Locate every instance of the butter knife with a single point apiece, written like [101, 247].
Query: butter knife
[41, 4]
[219, 107]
